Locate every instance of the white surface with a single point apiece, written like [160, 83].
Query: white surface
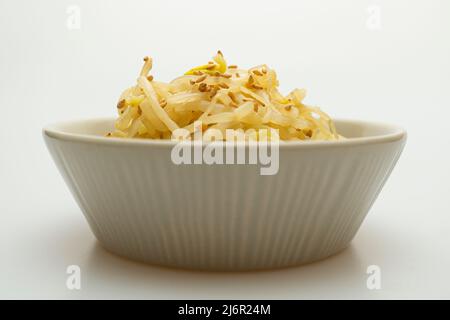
[399, 73]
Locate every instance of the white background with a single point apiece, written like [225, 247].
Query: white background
[398, 73]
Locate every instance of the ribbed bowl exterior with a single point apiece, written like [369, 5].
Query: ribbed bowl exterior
[224, 217]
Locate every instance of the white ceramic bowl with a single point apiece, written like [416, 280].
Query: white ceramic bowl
[139, 204]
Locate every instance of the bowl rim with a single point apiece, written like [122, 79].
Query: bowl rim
[54, 130]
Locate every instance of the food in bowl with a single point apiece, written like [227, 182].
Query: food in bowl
[220, 97]
[141, 204]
